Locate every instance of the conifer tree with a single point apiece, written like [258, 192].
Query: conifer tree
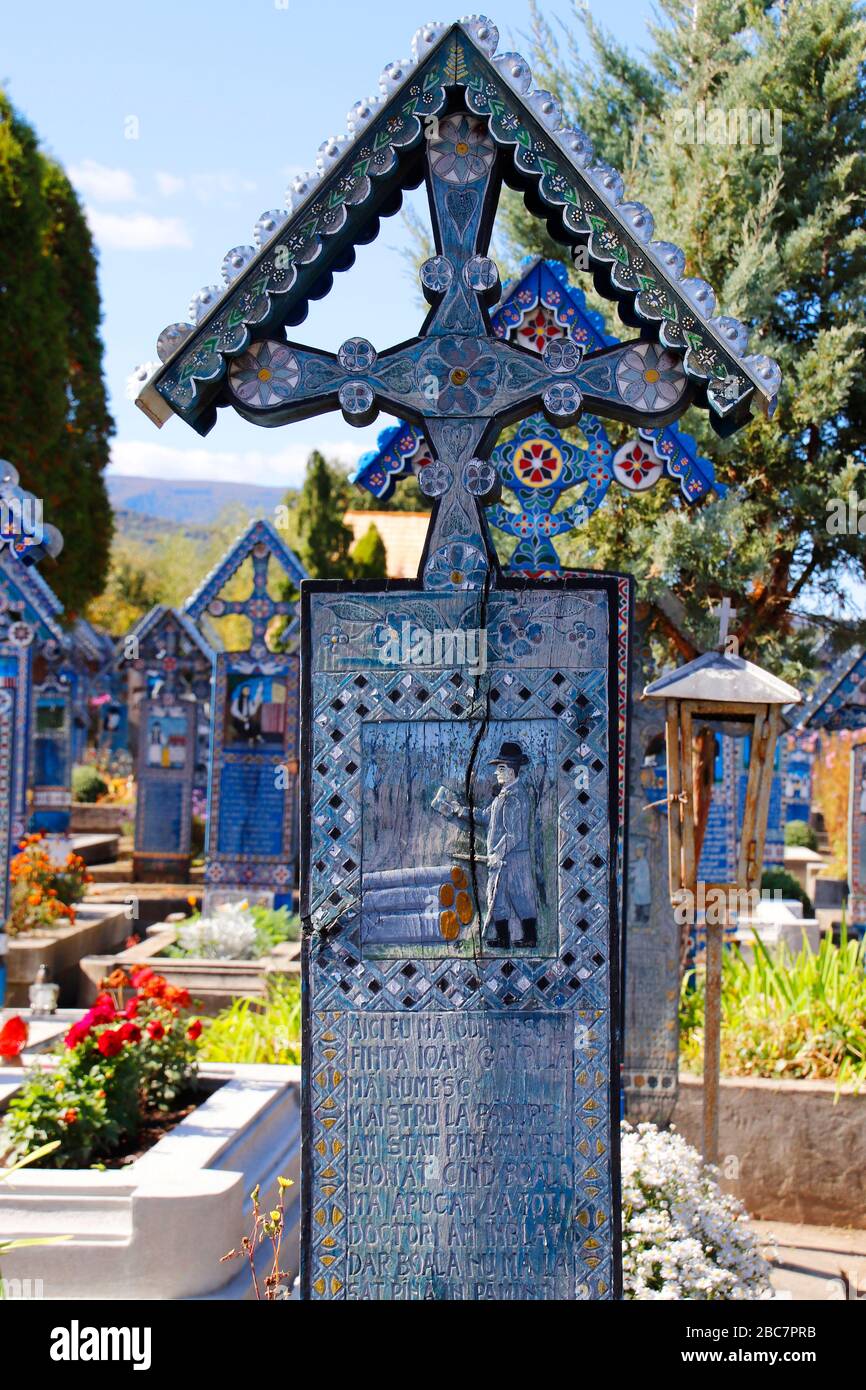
[776, 225]
[368, 556]
[316, 530]
[54, 421]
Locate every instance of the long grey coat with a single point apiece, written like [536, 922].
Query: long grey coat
[511, 890]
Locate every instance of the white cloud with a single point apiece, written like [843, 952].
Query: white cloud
[102, 184]
[137, 231]
[283, 468]
[169, 184]
[224, 184]
[221, 185]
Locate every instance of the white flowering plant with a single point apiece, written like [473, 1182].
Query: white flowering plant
[683, 1238]
[235, 931]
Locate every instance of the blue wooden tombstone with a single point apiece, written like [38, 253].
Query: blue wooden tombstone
[857, 841]
[839, 702]
[173, 664]
[551, 486]
[51, 767]
[28, 621]
[460, 817]
[798, 775]
[252, 826]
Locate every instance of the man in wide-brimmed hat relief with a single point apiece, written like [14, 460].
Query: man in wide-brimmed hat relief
[511, 891]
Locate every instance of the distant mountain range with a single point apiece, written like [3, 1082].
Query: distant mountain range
[190, 504]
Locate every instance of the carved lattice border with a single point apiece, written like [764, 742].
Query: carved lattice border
[584, 974]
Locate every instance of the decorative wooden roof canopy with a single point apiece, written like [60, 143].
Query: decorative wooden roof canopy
[453, 91]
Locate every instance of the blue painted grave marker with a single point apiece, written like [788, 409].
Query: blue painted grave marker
[252, 825]
[508, 1025]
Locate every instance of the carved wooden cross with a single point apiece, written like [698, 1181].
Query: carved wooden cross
[725, 613]
[456, 380]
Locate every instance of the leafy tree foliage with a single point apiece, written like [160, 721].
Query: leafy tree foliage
[777, 227]
[54, 420]
[368, 557]
[316, 531]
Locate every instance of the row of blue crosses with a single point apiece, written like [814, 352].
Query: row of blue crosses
[537, 465]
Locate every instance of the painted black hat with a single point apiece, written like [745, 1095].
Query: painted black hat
[511, 754]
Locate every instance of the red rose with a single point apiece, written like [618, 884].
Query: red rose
[141, 977]
[130, 1033]
[110, 1042]
[194, 1030]
[77, 1033]
[155, 1030]
[131, 1009]
[103, 1011]
[13, 1036]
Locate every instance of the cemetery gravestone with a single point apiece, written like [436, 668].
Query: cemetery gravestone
[164, 780]
[173, 664]
[798, 776]
[496, 1002]
[28, 617]
[52, 757]
[557, 484]
[14, 683]
[252, 806]
[653, 947]
[857, 840]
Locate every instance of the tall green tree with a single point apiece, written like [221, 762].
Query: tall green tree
[776, 225]
[368, 556]
[315, 521]
[54, 419]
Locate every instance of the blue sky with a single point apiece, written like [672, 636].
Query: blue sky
[180, 122]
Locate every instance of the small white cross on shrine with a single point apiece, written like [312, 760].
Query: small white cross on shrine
[724, 613]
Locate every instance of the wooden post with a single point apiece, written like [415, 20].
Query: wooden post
[713, 1036]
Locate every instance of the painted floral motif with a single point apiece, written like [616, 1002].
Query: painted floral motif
[356, 397]
[434, 479]
[460, 377]
[650, 378]
[479, 477]
[538, 329]
[580, 635]
[463, 152]
[266, 374]
[520, 633]
[562, 399]
[537, 463]
[334, 639]
[436, 274]
[562, 355]
[356, 355]
[455, 566]
[635, 467]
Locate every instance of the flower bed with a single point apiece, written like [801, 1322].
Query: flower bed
[682, 1237]
[159, 1227]
[98, 927]
[44, 890]
[235, 931]
[785, 1016]
[126, 1063]
[214, 981]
